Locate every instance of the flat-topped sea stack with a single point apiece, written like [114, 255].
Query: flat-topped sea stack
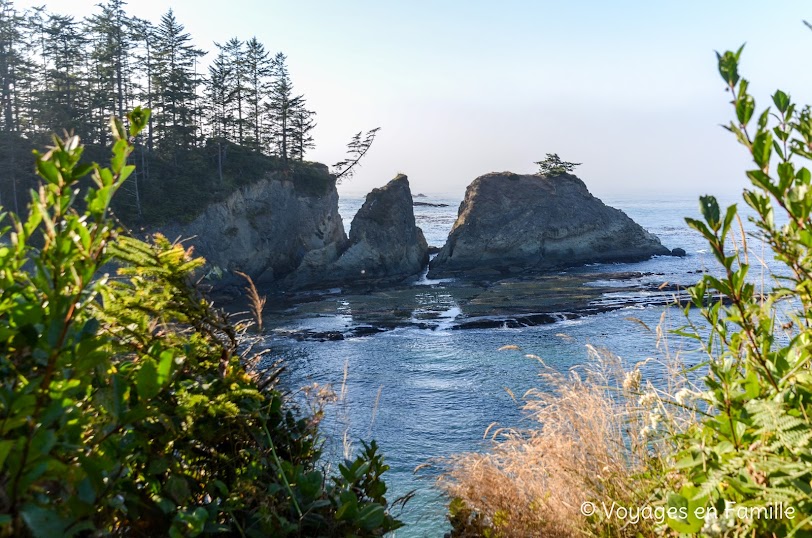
[510, 224]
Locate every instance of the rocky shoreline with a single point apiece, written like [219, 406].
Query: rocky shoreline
[288, 238]
[458, 304]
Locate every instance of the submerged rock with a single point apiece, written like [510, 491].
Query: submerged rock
[384, 243]
[510, 223]
[428, 204]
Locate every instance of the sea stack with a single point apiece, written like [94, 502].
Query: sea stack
[384, 242]
[510, 223]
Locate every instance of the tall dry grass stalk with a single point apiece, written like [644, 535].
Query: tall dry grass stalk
[343, 417]
[256, 301]
[344, 413]
[600, 435]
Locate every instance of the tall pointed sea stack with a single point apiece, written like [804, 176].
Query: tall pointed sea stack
[384, 242]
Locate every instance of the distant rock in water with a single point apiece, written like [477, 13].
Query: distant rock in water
[385, 244]
[428, 204]
[510, 223]
[678, 252]
[420, 195]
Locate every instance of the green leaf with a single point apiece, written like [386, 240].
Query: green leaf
[44, 523]
[763, 119]
[760, 179]
[139, 118]
[683, 510]
[744, 108]
[730, 214]
[5, 448]
[778, 150]
[146, 379]
[700, 226]
[117, 129]
[117, 393]
[371, 516]
[86, 491]
[762, 148]
[177, 488]
[710, 210]
[310, 484]
[165, 366]
[781, 101]
[348, 510]
[729, 66]
[48, 171]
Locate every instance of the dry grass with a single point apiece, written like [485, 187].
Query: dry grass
[256, 301]
[592, 442]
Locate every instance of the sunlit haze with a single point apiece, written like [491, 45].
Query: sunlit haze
[459, 89]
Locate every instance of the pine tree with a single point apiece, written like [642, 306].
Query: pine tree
[217, 94]
[65, 97]
[217, 104]
[174, 85]
[281, 105]
[35, 26]
[12, 72]
[356, 149]
[111, 49]
[235, 54]
[258, 70]
[10, 62]
[145, 32]
[302, 122]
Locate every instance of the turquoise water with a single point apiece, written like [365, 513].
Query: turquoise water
[441, 389]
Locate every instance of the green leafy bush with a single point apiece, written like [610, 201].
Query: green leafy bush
[125, 407]
[752, 452]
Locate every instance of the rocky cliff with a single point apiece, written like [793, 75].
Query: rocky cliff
[510, 223]
[268, 230]
[289, 236]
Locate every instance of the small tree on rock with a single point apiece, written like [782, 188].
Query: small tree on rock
[553, 166]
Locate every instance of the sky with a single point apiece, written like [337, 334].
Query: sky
[462, 88]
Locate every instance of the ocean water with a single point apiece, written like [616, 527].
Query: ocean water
[425, 394]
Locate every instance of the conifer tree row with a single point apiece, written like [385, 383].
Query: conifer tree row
[58, 72]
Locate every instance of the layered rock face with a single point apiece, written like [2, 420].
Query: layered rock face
[384, 243]
[286, 238]
[510, 223]
[268, 230]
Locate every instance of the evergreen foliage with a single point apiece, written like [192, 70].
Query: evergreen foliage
[174, 86]
[356, 149]
[57, 72]
[552, 165]
[125, 406]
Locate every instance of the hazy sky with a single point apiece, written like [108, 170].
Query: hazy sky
[459, 89]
